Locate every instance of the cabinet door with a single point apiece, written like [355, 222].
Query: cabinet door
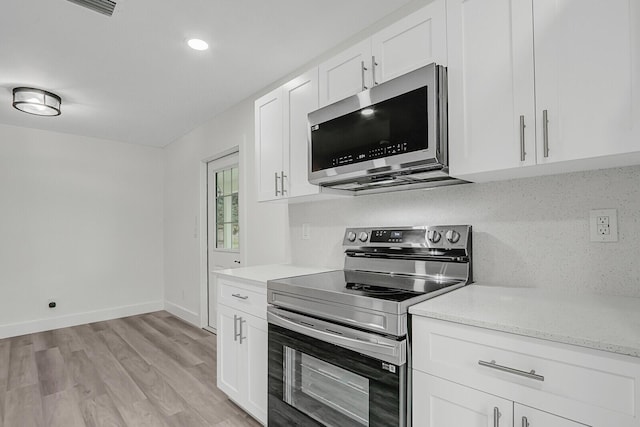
[269, 145]
[587, 77]
[491, 85]
[229, 370]
[254, 365]
[415, 41]
[525, 416]
[300, 98]
[442, 403]
[346, 73]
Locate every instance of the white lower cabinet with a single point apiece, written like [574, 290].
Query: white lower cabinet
[442, 403]
[524, 416]
[242, 350]
[463, 374]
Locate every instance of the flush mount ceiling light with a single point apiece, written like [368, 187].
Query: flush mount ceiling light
[36, 101]
[198, 44]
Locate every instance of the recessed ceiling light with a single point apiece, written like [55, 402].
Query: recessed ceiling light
[367, 111]
[198, 44]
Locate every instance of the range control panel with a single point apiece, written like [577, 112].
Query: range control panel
[441, 236]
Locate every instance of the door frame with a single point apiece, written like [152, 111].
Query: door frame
[203, 228]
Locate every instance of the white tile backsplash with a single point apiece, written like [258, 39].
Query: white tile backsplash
[530, 232]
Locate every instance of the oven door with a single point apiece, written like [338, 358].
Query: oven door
[325, 374]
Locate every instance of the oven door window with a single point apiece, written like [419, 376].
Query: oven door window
[327, 393]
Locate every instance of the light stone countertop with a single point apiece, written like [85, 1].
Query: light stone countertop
[601, 322]
[262, 273]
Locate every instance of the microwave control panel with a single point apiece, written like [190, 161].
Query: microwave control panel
[361, 155]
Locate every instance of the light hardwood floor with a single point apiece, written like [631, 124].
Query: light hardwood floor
[149, 370]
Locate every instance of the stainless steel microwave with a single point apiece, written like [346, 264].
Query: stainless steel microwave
[392, 134]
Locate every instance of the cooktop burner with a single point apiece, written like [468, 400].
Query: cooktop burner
[390, 294]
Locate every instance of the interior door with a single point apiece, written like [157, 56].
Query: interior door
[223, 222]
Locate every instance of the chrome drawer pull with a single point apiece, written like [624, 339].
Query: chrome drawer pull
[496, 417]
[493, 365]
[240, 296]
[525, 422]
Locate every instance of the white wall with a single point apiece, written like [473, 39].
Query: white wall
[263, 231]
[80, 222]
[530, 232]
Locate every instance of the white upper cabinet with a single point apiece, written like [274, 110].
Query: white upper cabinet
[300, 98]
[282, 133]
[587, 77]
[346, 73]
[491, 85]
[577, 100]
[269, 145]
[410, 43]
[415, 41]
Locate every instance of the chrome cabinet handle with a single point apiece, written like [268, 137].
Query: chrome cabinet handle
[241, 337]
[240, 296]
[522, 126]
[277, 192]
[363, 69]
[493, 365]
[282, 177]
[525, 422]
[373, 69]
[545, 133]
[235, 327]
[496, 417]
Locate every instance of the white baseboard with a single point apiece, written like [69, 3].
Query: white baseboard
[32, 326]
[183, 313]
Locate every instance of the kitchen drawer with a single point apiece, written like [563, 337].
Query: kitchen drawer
[241, 296]
[569, 380]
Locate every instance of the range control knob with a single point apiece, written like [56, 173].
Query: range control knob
[363, 236]
[453, 236]
[351, 236]
[433, 236]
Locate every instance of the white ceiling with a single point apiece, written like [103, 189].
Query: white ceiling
[132, 78]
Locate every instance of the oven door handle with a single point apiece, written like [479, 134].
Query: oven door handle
[369, 344]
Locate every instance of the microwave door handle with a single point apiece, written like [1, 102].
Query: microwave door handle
[392, 353]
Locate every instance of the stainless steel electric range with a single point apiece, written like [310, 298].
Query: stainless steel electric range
[339, 346]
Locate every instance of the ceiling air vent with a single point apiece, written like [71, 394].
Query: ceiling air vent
[101, 6]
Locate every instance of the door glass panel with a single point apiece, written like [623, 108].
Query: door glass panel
[327, 393]
[227, 206]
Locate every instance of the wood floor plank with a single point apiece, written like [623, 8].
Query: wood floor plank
[84, 376]
[23, 407]
[61, 410]
[146, 370]
[153, 385]
[43, 341]
[178, 353]
[199, 350]
[160, 325]
[100, 411]
[196, 394]
[142, 414]
[186, 328]
[52, 374]
[206, 374]
[22, 366]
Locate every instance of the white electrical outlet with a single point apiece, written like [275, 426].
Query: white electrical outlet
[306, 231]
[603, 225]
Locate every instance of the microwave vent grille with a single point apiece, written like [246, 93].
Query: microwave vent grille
[105, 7]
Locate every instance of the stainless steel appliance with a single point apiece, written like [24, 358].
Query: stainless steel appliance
[390, 135]
[339, 341]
